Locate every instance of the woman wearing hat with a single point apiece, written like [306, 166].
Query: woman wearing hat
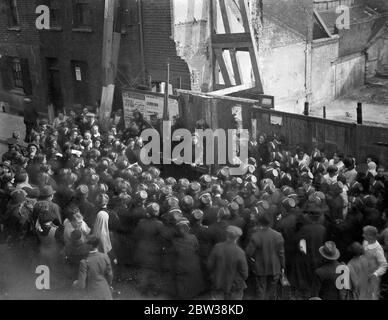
[188, 277]
[149, 250]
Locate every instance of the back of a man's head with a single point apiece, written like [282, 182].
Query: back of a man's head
[21, 177]
[263, 221]
[93, 241]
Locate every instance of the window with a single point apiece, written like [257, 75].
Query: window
[17, 74]
[80, 81]
[55, 14]
[82, 17]
[13, 14]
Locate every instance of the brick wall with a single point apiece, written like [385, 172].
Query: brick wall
[159, 44]
[72, 44]
[22, 42]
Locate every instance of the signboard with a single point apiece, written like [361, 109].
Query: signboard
[78, 74]
[196, 80]
[276, 120]
[266, 101]
[151, 106]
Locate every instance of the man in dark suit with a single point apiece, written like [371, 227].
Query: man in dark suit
[266, 251]
[325, 282]
[95, 273]
[228, 267]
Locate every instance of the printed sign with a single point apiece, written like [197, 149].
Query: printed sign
[151, 106]
[78, 74]
[276, 120]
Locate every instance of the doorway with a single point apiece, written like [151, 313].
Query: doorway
[55, 96]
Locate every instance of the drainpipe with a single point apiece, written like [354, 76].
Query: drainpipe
[141, 34]
[308, 60]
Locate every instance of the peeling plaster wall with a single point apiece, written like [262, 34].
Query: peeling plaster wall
[292, 68]
[325, 52]
[192, 38]
[377, 55]
[282, 79]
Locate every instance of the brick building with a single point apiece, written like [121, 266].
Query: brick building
[20, 62]
[62, 65]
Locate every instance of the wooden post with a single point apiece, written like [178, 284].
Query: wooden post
[166, 115]
[306, 109]
[141, 33]
[359, 113]
[110, 54]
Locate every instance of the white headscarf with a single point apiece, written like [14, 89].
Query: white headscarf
[101, 231]
[372, 166]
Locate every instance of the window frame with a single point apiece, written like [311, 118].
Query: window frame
[80, 7]
[55, 14]
[17, 74]
[13, 14]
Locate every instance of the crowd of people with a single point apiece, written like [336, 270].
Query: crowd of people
[77, 196]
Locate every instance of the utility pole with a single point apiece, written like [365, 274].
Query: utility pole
[110, 56]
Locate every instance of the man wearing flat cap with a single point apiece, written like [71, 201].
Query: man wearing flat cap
[228, 267]
[266, 251]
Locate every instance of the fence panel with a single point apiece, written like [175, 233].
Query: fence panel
[351, 139]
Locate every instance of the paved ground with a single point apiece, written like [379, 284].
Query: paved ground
[375, 105]
[17, 281]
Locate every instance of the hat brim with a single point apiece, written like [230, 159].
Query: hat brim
[48, 194]
[333, 258]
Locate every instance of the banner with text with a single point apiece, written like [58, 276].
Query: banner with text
[150, 105]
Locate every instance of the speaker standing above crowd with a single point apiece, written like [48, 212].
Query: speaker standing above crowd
[77, 198]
